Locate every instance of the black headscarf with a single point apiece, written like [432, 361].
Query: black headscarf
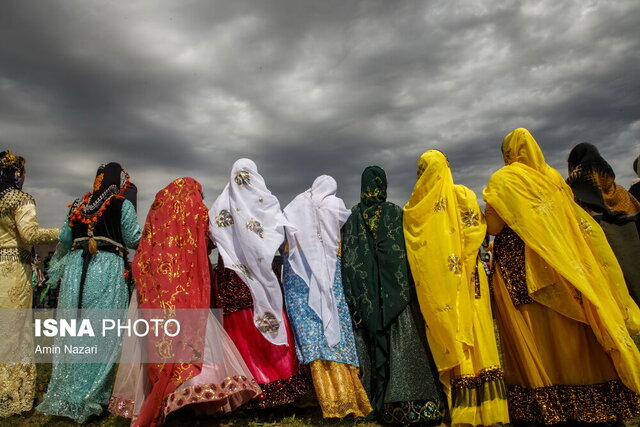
[593, 183]
[131, 194]
[110, 180]
[11, 166]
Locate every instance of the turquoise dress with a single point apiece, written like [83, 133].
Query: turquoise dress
[79, 390]
[307, 326]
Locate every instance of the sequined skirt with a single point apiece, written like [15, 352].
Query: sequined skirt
[555, 369]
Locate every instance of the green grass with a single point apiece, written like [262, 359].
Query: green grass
[281, 416]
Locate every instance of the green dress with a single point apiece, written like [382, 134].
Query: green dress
[80, 390]
[398, 371]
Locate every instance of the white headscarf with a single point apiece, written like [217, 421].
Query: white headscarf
[247, 225]
[316, 217]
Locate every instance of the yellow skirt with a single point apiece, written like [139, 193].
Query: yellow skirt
[339, 389]
[475, 389]
[555, 369]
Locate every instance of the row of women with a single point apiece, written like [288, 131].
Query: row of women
[379, 311]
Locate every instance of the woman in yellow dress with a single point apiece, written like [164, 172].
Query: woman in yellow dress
[563, 309]
[19, 232]
[444, 229]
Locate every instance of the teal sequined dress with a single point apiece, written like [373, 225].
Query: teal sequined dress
[80, 390]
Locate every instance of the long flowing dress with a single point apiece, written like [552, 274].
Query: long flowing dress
[560, 300]
[19, 231]
[593, 183]
[444, 229]
[398, 370]
[172, 270]
[92, 281]
[275, 368]
[247, 225]
[315, 300]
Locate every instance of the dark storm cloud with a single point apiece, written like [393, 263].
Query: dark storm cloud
[303, 88]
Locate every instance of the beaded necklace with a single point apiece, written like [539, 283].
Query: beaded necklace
[78, 214]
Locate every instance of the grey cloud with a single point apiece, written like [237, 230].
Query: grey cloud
[185, 88]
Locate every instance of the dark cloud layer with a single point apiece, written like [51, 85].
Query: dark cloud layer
[304, 88]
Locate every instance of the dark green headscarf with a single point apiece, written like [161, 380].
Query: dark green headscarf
[375, 273]
[374, 262]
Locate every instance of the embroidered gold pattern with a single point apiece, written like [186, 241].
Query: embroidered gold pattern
[15, 255]
[255, 226]
[11, 160]
[193, 394]
[508, 251]
[164, 348]
[224, 219]
[475, 278]
[12, 200]
[339, 389]
[243, 177]
[455, 264]
[594, 403]
[440, 205]
[585, 227]
[470, 218]
[267, 323]
[493, 373]
[121, 407]
[17, 388]
[543, 206]
[245, 270]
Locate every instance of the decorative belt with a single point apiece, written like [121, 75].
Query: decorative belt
[15, 255]
[104, 245]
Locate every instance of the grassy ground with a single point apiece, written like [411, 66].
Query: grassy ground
[282, 416]
[290, 416]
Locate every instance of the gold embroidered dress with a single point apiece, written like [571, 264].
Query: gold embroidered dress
[560, 300]
[19, 231]
[444, 229]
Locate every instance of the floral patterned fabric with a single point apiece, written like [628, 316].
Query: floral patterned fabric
[311, 343]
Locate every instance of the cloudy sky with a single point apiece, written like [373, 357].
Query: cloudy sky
[184, 88]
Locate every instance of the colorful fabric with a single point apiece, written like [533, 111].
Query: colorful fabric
[339, 390]
[316, 217]
[222, 385]
[275, 367]
[171, 270]
[566, 251]
[593, 183]
[19, 232]
[444, 229]
[376, 278]
[311, 343]
[110, 180]
[80, 390]
[374, 263]
[411, 378]
[247, 226]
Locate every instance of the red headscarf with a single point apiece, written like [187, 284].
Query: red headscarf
[171, 269]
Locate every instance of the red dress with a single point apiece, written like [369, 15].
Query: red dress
[275, 367]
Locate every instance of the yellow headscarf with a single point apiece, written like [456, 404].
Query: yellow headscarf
[565, 250]
[444, 228]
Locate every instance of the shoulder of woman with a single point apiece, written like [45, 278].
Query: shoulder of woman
[14, 199]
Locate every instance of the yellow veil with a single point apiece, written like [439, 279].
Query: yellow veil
[444, 228]
[576, 271]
